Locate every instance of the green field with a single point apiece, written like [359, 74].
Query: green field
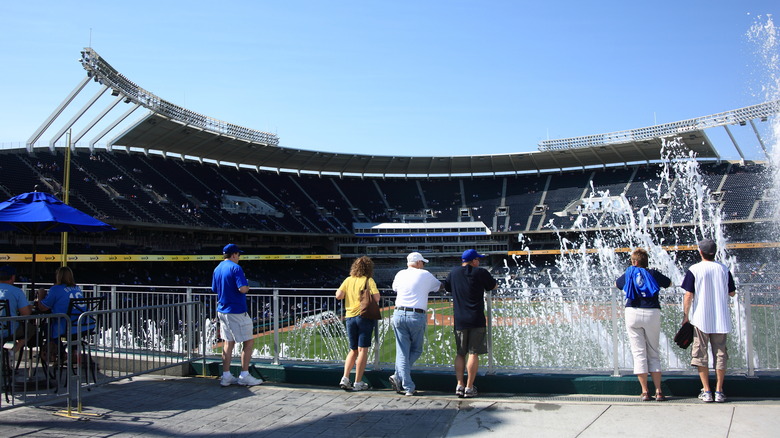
[532, 334]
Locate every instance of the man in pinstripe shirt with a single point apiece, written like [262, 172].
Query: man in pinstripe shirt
[708, 286]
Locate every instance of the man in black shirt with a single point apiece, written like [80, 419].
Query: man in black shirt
[468, 284]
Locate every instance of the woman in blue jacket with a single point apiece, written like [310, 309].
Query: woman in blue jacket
[643, 319]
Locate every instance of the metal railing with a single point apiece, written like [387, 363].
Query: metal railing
[107, 345]
[27, 378]
[567, 330]
[545, 328]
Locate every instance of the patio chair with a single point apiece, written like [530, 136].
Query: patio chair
[78, 343]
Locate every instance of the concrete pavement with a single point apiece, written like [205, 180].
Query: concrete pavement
[192, 406]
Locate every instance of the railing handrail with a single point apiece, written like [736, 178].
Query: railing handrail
[106, 287]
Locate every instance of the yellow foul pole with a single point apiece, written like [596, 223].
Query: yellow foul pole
[65, 199]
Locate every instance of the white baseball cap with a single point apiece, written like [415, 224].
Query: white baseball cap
[415, 257]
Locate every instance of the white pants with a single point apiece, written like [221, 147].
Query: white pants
[644, 329]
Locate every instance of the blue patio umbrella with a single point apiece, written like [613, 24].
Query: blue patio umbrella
[39, 212]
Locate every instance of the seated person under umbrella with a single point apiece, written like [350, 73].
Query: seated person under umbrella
[58, 301]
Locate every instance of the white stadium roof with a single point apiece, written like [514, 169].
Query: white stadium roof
[175, 131]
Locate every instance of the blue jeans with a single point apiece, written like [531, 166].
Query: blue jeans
[359, 332]
[409, 328]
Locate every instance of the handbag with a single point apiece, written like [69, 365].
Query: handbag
[369, 308]
[684, 336]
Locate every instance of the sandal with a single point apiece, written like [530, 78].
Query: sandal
[659, 396]
[645, 397]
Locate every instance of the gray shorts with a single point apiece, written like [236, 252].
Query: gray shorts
[471, 341]
[235, 327]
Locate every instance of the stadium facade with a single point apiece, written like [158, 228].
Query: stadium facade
[177, 182]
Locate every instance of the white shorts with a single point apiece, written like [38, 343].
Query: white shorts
[235, 327]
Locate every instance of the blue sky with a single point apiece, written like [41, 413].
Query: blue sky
[396, 78]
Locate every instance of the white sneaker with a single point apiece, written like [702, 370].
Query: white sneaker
[470, 392]
[227, 381]
[360, 386]
[345, 384]
[394, 383]
[720, 397]
[705, 396]
[249, 380]
[460, 391]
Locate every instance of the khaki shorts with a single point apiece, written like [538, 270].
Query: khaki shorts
[700, 356]
[471, 341]
[235, 327]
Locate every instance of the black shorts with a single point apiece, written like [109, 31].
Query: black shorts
[471, 341]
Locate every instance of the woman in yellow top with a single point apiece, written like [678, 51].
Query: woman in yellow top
[359, 330]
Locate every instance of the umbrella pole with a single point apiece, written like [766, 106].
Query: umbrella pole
[64, 249]
[32, 275]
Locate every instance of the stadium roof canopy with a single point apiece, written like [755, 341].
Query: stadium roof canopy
[173, 130]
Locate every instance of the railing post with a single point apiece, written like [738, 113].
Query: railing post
[204, 335]
[376, 335]
[188, 323]
[69, 379]
[276, 327]
[114, 323]
[489, 304]
[81, 353]
[615, 362]
[751, 367]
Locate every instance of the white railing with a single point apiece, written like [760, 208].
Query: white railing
[565, 330]
[550, 329]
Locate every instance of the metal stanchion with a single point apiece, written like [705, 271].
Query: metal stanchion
[276, 326]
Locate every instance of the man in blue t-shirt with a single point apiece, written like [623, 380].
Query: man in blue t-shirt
[17, 306]
[231, 287]
[468, 284]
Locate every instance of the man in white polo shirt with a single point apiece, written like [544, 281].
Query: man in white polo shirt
[412, 286]
[708, 286]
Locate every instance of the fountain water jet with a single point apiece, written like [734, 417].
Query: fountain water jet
[563, 315]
